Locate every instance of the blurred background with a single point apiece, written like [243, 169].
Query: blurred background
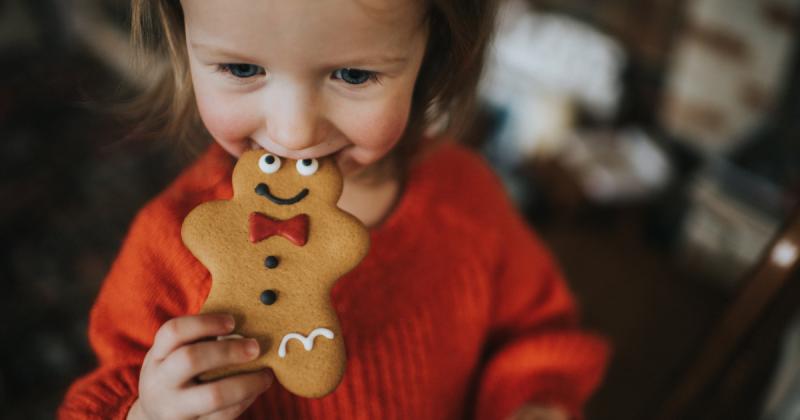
[653, 144]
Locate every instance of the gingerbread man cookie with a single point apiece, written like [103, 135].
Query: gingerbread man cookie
[274, 252]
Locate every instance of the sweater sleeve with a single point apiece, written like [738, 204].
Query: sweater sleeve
[537, 354]
[152, 280]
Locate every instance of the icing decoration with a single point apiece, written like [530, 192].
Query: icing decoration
[271, 262]
[262, 189]
[269, 164]
[308, 342]
[307, 167]
[294, 229]
[268, 297]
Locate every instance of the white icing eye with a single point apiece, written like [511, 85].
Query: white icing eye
[307, 167]
[269, 164]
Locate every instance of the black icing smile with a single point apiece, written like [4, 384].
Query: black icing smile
[263, 190]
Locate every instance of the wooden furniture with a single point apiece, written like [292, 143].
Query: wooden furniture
[729, 373]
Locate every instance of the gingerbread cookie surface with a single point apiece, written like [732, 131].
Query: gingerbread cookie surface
[274, 252]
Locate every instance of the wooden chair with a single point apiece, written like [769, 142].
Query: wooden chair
[727, 377]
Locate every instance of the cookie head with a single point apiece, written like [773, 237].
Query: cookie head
[268, 180]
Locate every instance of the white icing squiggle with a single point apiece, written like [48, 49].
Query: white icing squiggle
[308, 342]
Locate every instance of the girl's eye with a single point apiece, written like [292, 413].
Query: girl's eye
[241, 70]
[354, 76]
[307, 167]
[269, 164]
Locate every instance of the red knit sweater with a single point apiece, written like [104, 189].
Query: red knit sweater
[458, 311]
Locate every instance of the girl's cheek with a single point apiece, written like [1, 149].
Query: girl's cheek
[378, 132]
[230, 129]
[389, 133]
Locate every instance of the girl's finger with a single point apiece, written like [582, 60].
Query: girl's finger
[209, 398]
[183, 330]
[191, 360]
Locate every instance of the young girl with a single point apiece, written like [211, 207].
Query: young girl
[457, 311]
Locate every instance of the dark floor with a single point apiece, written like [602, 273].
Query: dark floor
[70, 188]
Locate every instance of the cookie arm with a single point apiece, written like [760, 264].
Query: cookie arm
[538, 354]
[153, 279]
[358, 238]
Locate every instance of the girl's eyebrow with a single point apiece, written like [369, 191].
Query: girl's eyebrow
[222, 53]
[376, 60]
[380, 59]
[374, 57]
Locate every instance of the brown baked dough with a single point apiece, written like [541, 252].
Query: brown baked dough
[274, 278]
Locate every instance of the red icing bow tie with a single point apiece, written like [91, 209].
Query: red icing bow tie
[294, 229]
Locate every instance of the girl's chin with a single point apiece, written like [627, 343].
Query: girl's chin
[348, 165]
[370, 171]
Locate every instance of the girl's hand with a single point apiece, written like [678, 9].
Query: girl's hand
[167, 389]
[538, 412]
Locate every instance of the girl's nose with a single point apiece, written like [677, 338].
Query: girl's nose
[292, 119]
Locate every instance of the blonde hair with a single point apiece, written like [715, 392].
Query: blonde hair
[459, 32]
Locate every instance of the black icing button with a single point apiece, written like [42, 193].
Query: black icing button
[268, 297]
[271, 261]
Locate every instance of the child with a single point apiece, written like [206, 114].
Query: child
[457, 311]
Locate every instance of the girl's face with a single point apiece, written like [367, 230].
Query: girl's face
[306, 78]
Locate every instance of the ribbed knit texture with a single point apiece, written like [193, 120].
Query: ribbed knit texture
[457, 312]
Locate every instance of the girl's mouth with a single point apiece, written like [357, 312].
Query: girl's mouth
[328, 148]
